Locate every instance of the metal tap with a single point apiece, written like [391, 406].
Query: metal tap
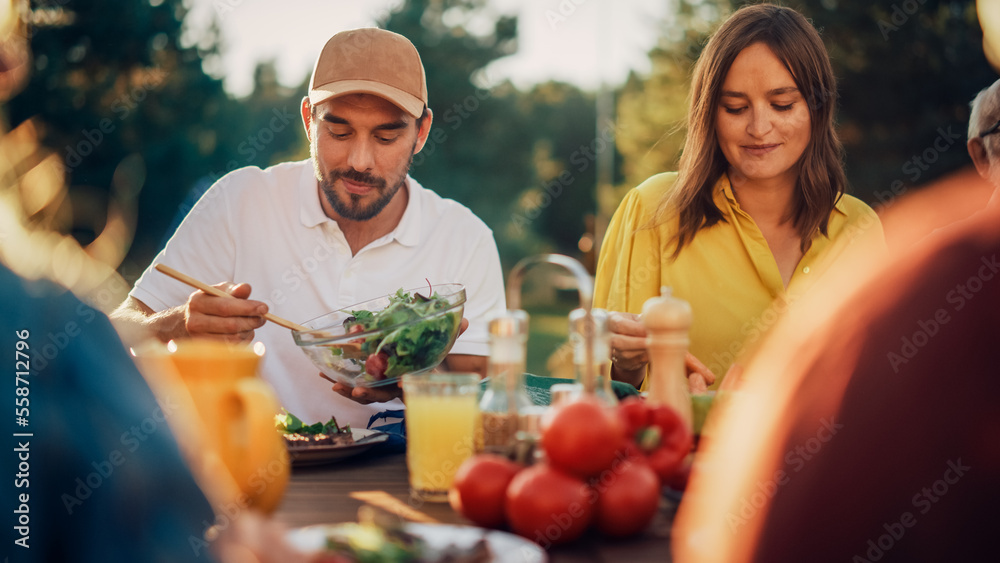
[584, 287]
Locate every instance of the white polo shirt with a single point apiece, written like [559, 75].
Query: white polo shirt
[267, 228]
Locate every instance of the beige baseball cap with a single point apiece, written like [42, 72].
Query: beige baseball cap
[370, 61]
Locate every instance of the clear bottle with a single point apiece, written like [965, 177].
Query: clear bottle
[597, 378]
[505, 397]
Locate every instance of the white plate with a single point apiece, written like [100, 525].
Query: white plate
[319, 454]
[505, 547]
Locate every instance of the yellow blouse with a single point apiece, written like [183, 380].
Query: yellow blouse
[727, 272]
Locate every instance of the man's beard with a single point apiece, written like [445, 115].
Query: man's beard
[352, 209]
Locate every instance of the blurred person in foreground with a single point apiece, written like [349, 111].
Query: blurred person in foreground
[865, 426]
[877, 438]
[984, 137]
[95, 472]
[757, 210]
[310, 237]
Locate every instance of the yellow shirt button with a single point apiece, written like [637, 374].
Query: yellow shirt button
[805, 270]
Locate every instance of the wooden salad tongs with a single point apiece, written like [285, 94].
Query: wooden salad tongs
[197, 284]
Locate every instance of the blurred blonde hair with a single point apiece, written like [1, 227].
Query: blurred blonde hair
[34, 198]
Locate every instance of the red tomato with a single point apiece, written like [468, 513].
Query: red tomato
[376, 364]
[582, 437]
[480, 488]
[548, 506]
[628, 500]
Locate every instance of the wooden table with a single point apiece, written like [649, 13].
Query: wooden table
[332, 493]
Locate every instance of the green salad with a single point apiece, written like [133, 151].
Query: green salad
[288, 423]
[411, 347]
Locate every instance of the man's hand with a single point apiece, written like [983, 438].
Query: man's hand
[205, 315]
[233, 320]
[365, 395]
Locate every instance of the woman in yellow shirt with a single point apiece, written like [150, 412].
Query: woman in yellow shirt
[757, 208]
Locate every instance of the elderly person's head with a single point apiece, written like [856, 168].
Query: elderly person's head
[984, 133]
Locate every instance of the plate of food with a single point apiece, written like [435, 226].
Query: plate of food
[387, 539]
[323, 442]
[375, 342]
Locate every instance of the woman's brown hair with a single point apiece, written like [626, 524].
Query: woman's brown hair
[821, 179]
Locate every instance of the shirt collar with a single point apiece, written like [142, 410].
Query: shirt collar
[407, 232]
[722, 194]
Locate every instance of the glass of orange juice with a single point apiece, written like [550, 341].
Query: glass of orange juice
[441, 415]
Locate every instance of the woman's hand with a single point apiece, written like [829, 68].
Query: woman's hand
[629, 358]
[628, 348]
[699, 376]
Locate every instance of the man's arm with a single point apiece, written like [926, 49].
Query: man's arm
[202, 315]
[134, 316]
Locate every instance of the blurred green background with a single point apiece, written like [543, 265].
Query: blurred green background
[127, 102]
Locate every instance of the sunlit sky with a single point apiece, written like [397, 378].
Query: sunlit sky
[577, 41]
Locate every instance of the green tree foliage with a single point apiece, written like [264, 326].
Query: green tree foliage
[138, 118]
[129, 106]
[566, 148]
[494, 148]
[476, 153]
[117, 91]
[906, 69]
[652, 110]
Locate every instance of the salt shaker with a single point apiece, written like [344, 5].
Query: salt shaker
[505, 398]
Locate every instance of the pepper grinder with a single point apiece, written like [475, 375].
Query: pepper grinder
[667, 320]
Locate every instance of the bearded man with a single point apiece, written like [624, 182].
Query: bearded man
[347, 225]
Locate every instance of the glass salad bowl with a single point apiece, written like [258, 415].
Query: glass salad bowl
[375, 342]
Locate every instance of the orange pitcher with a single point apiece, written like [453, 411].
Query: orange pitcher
[224, 420]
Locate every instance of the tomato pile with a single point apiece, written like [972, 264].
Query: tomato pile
[603, 467]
